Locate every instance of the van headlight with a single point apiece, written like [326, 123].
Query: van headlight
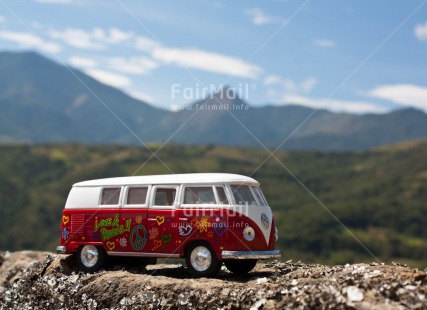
[249, 233]
[276, 233]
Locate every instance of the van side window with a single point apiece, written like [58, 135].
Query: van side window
[137, 195]
[243, 195]
[199, 195]
[110, 196]
[165, 196]
[223, 200]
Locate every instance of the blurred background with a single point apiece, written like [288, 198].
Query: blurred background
[323, 102]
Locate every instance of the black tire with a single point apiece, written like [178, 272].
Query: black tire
[240, 266]
[91, 258]
[201, 260]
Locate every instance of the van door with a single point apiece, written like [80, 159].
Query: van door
[107, 224]
[134, 210]
[161, 220]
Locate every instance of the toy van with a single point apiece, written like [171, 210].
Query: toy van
[207, 218]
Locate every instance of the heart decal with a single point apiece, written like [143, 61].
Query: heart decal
[166, 238]
[65, 219]
[160, 219]
[185, 231]
[111, 245]
[157, 243]
[219, 229]
[194, 221]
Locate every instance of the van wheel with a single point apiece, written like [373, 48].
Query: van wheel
[201, 260]
[240, 266]
[91, 258]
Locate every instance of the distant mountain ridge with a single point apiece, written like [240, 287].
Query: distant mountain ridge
[42, 101]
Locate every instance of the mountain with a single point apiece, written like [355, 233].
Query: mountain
[237, 123]
[42, 101]
[379, 195]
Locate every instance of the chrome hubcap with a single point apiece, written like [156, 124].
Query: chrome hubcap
[89, 255]
[201, 258]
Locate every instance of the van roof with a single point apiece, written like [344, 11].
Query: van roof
[188, 178]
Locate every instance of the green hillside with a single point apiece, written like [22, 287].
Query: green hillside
[379, 195]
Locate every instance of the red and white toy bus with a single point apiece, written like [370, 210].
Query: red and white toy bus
[206, 218]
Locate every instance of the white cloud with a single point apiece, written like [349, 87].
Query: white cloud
[78, 38]
[402, 94]
[82, 62]
[357, 107]
[97, 38]
[141, 96]
[272, 79]
[118, 36]
[308, 84]
[133, 65]
[145, 44]
[325, 43]
[27, 39]
[2, 19]
[207, 61]
[109, 78]
[420, 32]
[54, 1]
[259, 18]
[290, 86]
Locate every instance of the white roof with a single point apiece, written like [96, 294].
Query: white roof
[188, 178]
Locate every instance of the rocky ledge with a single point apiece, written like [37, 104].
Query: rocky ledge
[44, 280]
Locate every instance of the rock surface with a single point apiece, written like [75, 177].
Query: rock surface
[44, 280]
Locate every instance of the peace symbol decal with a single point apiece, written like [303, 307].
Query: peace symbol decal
[138, 237]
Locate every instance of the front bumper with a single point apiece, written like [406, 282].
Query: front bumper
[60, 249]
[250, 254]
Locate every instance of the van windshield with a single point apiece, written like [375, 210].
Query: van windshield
[243, 195]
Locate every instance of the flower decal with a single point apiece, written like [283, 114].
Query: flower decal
[153, 232]
[203, 224]
[123, 242]
[65, 233]
[138, 219]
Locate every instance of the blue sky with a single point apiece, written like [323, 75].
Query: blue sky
[347, 56]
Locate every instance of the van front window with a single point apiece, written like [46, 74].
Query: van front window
[259, 195]
[243, 195]
[223, 200]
